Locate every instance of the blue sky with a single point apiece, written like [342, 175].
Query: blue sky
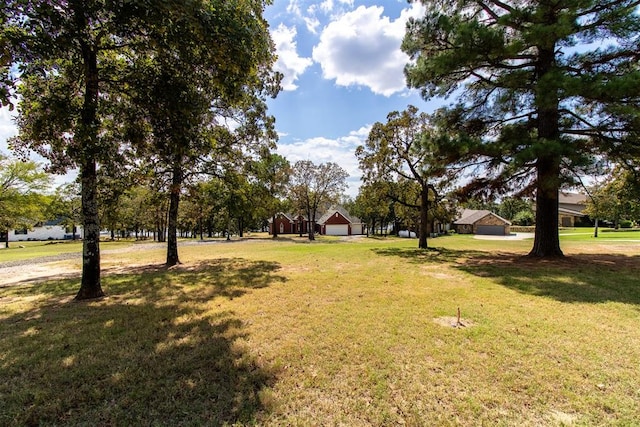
[343, 71]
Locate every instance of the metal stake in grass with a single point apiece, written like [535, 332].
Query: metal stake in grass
[459, 324]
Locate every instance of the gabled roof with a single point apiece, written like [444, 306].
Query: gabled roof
[342, 211]
[291, 217]
[572, 198]
[471, 216]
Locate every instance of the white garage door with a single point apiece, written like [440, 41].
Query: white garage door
[337, 229]
[356, 228]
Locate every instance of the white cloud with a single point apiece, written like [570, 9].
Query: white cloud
[362, 47]
[294, 8]
[312, 24]
[327, 6]
[289, 63]
[322, 150]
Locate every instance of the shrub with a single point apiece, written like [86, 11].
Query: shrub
[524, 218]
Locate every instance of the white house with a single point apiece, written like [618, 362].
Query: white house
[49, 230]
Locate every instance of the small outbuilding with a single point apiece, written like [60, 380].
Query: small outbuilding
[481, 222]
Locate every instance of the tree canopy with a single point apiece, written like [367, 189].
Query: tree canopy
[315, 186]
[541, 87]
[22, 186]
[404, 151]
[85, 66]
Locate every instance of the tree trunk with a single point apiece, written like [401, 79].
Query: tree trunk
[90, 286]
[595, 233]
[424, 219]
[6, 239]
[312, 227]
[273, 226]
[87, 140]
[547, 240]
[174, 201]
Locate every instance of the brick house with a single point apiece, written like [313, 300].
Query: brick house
[481, 222]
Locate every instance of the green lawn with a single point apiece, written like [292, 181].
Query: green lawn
[35, 249]
[335, 332]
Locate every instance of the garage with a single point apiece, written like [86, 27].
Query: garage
[337, 229]
[491, 230]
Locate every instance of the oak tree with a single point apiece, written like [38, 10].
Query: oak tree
[22, 187]
[403, 151]
[315, 186]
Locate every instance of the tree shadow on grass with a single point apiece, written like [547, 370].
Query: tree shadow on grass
[591, 278]
[152, 353]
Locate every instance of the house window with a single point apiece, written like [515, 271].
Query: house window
[281, 227]
[336, 214]
[22, 231]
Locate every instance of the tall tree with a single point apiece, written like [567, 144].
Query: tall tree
[372, 204]
[403, 149]
[71, 56]
[314, 186]
[541, 85]
[191, 91]
[272, 173]
[22, 185]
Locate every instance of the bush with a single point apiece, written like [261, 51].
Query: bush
[625, 223]
[524, 218]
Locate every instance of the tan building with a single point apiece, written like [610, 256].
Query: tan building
[482, 222]
[570, 208]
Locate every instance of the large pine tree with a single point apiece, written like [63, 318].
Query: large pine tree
[541, 87]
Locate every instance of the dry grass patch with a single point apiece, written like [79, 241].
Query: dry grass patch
[331, 333]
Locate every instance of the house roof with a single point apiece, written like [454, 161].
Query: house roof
[52, 222]
[471, 216]
[572, 198]
[342, 211]
[291, 217]
[570, 212]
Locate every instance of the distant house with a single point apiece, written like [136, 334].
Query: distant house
[49, 230]
[286, 223]
[570, 208]
[337, 222]
[482, 222]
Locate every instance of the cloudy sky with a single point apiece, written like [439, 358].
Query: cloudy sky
[343, 71]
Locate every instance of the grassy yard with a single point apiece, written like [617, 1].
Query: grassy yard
[336, 332]
[35, 249]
